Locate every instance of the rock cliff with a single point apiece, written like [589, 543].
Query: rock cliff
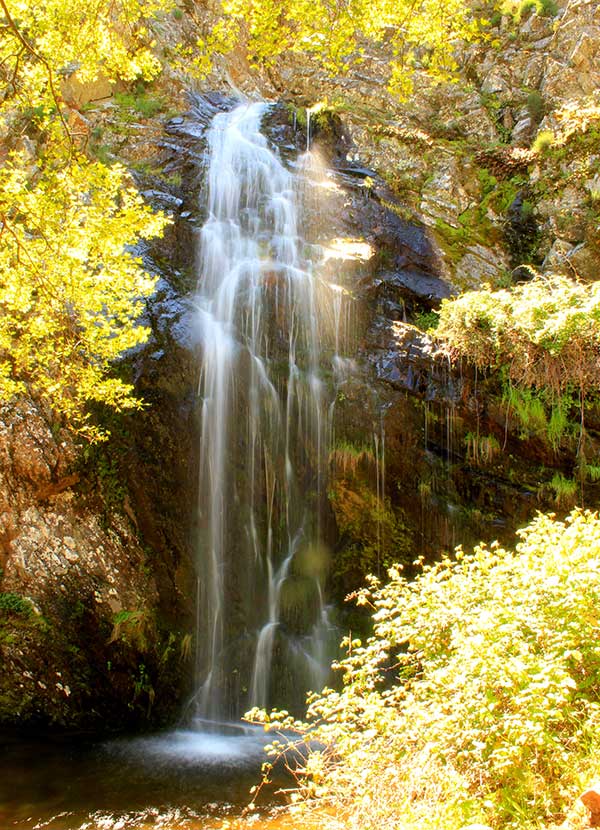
[463, 184]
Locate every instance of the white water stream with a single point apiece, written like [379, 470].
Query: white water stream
[263, 452]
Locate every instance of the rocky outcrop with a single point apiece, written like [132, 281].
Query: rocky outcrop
[70, 572]
[511, 88]
[459, 465]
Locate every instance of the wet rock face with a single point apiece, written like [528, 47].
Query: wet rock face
[455, 481]
[458, 468]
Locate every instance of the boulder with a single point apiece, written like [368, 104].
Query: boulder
[591, 799]
[444, 196]
[78, 93]
[522, 132]
[419, 285]
[480, 264]
[584, 261]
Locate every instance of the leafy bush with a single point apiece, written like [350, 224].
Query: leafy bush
[541, 414]
[15, 604]
[426, 320]
[543, 141]
[141, 102]
[546, 8]
[542, 338]
[521, 8]
[476, 698]
[549, 327]
[535, 105]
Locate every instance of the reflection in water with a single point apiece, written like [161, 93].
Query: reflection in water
[177, 780]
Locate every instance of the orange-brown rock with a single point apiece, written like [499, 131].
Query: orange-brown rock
[591, 799]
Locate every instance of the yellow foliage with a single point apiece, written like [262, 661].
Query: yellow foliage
[93, 36]
[422, 33]
[475, 700]
[71, 288]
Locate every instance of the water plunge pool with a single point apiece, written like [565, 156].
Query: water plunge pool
[177, 780]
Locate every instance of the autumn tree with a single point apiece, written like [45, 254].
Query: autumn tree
[337, 33]
[71, 287]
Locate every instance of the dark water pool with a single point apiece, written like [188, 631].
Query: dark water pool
[180, 779]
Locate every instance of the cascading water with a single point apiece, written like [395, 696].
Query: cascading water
[263, 454]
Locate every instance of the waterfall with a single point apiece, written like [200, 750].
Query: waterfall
[263, 453]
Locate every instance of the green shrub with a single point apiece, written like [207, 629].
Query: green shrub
[140, 102]
[15, 604]
[525, 7]
[547, 8]
[535, 105]
[565, 489]
[476, 699]
[592, 472]
[426, 320]
[529, 409]
[542, 338]
[544, 8]
[544, 140]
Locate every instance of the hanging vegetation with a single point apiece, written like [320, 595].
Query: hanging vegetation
[542, 338]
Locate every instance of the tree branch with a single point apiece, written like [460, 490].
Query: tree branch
[32, 51]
